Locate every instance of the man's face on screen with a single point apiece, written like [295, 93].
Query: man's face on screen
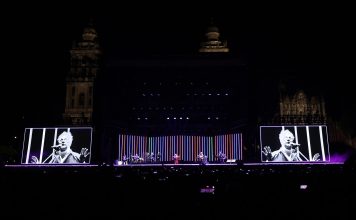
[65, 141]
[287, 139]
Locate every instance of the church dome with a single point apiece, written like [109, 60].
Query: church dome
[89, 34]
[212, 29]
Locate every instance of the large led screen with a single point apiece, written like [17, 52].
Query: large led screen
[294, 144]
[57, 145]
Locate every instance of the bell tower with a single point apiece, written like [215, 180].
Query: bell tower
[212, 43]
[84, 67]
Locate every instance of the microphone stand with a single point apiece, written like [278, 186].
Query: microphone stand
[50, 156]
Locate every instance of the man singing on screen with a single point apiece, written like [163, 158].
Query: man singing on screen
[62, 152]
[288, 152]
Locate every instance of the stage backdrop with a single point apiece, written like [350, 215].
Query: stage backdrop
[308, 143]
[69, 145]
[187, 147]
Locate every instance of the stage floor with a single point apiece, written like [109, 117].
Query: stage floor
[179, 165]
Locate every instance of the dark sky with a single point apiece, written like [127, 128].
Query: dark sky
[301, 41]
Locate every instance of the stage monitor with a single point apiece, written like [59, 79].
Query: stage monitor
[294, 144]
[57, 145]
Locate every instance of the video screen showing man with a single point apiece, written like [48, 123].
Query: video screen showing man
[57, 145]
[294, 144]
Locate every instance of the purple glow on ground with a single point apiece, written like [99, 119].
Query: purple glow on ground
[293, 163]
[56, 165]
[340, 158]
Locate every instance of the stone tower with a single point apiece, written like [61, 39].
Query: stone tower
[80, 80]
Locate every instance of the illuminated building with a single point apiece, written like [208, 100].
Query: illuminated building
[81, 77]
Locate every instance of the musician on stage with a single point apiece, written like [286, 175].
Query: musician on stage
[203, 159]
[221, 157]
[200, 157]
[135, 158]
[176, 158]
[124, 160]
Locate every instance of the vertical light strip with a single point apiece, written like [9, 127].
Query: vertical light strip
[166, 148]
[296, 135]
[132, 150]
[133, 138]
[181, 146]
[200, 147]
[189, 149]
[236, 146]
[211, 140]
[230, 146]
[228, 143]
[175, 144]
[42, 144]
[231, 140]
[150, 149]
[309, 147]
[184, 150]
[201, 139]
[128, 145]
[122, 146]
[29, 145]
[327, 141]
[217, 142]
[224, 144]
[211, 152]
[142, 146]
[149, 142]
[236, 143]
[135, 143]
[121, 149]
[119, 145]
[123, 141]
[192, 148]
[322, 143]
[241, 147]
[214, 147]
[55, 136]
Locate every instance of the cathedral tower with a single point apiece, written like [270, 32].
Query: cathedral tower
[80, 80]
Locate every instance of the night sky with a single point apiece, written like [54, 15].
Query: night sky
[302, 42]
